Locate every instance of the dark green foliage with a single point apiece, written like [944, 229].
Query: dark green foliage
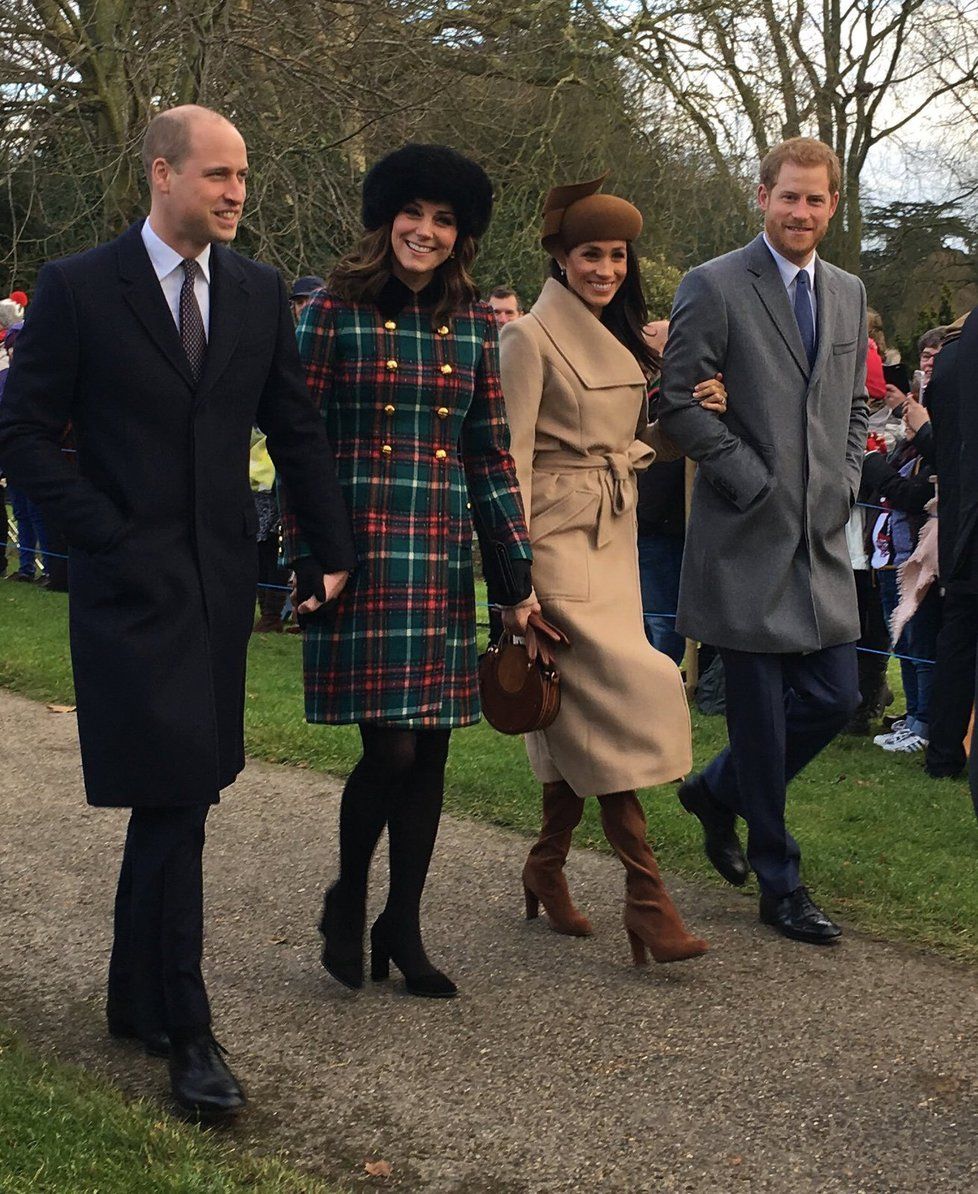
[919, 266]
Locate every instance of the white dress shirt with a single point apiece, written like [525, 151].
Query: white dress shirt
[168, 266]
[789, 272]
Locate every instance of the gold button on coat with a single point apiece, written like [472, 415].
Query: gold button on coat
[387, 449]
[442, 412]
[446, 369]
[390, 325]
[388, 409]
[443, 330]
[392, 365]
[440, 454]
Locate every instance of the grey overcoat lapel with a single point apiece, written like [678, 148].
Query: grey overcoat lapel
[826, 301]
[771, 290]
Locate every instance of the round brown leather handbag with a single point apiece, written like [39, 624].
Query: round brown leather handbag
[519, 694]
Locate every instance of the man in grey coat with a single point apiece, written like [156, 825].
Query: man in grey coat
[766, 574]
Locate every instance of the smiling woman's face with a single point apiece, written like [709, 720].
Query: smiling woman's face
[423, 236]
[596, 270]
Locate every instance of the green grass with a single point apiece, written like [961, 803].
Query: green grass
[63, 1131]
[885, 847]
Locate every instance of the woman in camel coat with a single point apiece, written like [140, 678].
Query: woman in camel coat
[574, 373]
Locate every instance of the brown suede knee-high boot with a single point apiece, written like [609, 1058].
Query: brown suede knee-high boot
[543, 874]
[651, 918]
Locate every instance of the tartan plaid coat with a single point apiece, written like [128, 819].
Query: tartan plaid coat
[416, 418]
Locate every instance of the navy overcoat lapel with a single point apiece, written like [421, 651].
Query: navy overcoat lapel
[771, 290]
[142, 291]
[229, 306]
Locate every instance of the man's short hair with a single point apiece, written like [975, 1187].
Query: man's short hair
[932, 338]
[802, 151]
[169, 135]
[505, 292]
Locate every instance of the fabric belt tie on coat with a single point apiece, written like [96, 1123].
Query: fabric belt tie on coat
[619, 492]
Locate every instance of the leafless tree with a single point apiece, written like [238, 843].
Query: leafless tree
[745, 75]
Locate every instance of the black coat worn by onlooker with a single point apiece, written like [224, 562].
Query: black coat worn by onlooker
[963, 564]
[159, 515]
[952, 406]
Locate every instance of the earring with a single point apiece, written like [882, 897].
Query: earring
[451, 255]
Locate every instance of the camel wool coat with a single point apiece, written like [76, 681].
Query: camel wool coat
[574, 397]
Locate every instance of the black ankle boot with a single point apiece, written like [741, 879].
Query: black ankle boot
[342, 925]
[406, 951]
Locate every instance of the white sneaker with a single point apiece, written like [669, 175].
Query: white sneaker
[905, 743]
[896, 728]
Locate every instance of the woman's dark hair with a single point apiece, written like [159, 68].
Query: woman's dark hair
[361, 274]
[627, 313]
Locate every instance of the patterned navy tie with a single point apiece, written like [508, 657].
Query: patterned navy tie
[191, 322]
[803, 314]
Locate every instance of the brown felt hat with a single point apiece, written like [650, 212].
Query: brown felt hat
[577, 213]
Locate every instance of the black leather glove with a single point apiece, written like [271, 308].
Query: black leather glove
[308, 583]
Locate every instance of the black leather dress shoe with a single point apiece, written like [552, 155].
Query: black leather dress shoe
[796, 915]
[201, 1081]
[720, 839]
[156, 1044]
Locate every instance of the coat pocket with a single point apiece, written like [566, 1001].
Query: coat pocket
[843, 347]
[562, 537]
[575, 510]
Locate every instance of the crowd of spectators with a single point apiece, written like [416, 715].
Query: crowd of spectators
[40, 554]
[900, 535]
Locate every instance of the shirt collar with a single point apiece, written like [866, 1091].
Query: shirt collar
[165, 260]
[787, 269]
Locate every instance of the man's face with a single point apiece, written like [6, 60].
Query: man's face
[927, 358]
[299, 305]
[202, 201]
[797, 210]
[505, 309]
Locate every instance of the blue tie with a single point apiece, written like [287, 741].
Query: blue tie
[803, 314]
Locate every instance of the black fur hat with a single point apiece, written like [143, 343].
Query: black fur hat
[432, 172]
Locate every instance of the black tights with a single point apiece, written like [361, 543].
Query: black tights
[399, 782]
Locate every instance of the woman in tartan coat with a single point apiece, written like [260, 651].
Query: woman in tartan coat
[402, 362]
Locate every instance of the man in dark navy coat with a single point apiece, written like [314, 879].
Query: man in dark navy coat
[962, 570]
[163, 348]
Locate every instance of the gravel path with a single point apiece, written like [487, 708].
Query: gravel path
[765, 1066]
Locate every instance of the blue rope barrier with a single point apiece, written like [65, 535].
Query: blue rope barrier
[645, 613]
[865, 650]
[56, 555]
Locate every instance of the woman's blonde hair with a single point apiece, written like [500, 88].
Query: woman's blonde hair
[874, 324]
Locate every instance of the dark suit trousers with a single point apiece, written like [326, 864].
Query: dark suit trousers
[781, 711]
[954, 679]
[155, 981]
